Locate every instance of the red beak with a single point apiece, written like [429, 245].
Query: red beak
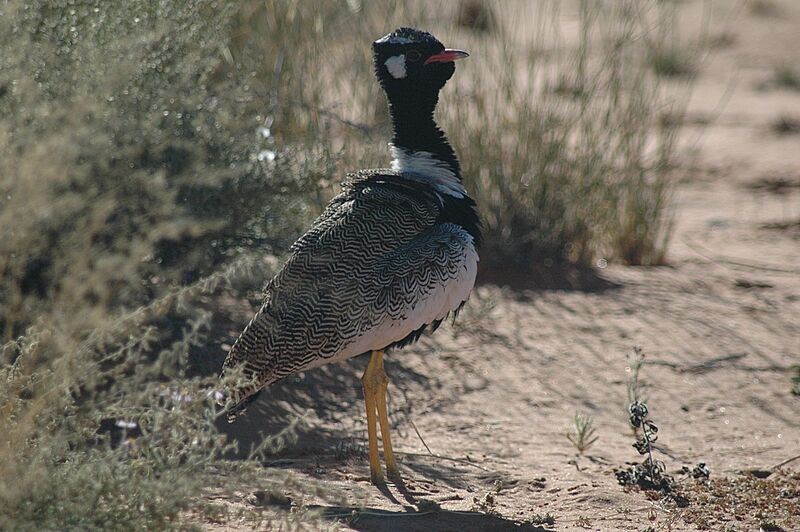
[448, 56]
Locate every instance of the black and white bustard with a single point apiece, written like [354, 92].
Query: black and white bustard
[393, 254]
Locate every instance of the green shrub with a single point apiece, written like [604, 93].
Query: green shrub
[131, 144]
[131, 165]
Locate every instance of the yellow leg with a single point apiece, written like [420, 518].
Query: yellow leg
[375, 384]
[369, 399]
[383, 418]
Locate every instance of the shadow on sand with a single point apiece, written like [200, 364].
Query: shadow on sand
[373, 519]
[331, 393]
[538, 278]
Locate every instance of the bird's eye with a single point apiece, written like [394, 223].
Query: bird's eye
[413, 56]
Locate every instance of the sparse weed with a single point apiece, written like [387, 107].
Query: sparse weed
[634, 385]
[650, 474]
[477, 16]
[796, 381]
[668, 53]
[672, 62]
[763, 8]
[543, 519]
[786, 125]
[584, 434]
[487, 503]
[786, 77]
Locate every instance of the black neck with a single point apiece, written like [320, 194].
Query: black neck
[416, 130]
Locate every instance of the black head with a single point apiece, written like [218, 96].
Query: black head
[413, 60]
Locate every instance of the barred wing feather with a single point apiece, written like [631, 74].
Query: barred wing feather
[374, 268]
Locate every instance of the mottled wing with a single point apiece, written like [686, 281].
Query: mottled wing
[363, 261]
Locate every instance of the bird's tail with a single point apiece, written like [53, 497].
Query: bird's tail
[234, 408]
[241, 388]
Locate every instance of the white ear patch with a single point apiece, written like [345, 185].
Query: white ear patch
[396, 66]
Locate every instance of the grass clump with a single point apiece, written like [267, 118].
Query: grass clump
[543, 519]
[569, 175]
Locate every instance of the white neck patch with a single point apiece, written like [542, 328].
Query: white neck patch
[424, 166]
[396, 65]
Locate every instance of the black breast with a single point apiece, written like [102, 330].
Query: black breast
[463, 212]
[460, 211]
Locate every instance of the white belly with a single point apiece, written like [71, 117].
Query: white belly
[431, 306]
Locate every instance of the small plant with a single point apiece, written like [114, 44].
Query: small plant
[672, 62]
[786, 125]
[477, 16]
[543, 519]
[635, 393]
[763, 8]
[488, 502]
[651, 473]
[669, 53]
[584, 434]
[786, 77]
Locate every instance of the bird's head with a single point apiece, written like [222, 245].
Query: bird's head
[413, 61]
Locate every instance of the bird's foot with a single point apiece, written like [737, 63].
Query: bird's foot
[377, 477]
[394, 475]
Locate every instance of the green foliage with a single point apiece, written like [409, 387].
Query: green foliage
[584, 434]
[786, 77]
[131, 164]
[128, 142]
[634, 385]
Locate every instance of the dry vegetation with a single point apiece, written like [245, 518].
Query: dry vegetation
[152, 154]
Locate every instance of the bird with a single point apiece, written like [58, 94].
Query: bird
[391, 256]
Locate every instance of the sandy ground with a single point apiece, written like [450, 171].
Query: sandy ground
[493, 396]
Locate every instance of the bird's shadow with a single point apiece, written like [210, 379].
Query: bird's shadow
[419, 515]
[536, 278]
[328, 399]
[374, 519]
